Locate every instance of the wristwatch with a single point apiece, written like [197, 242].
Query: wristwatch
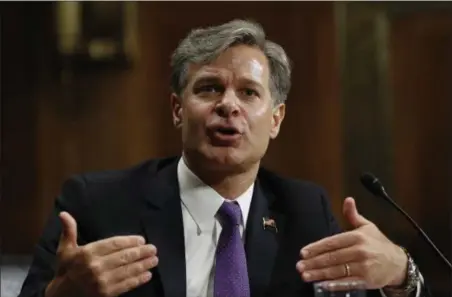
[411, 280]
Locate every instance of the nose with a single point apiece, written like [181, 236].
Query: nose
[228, 106]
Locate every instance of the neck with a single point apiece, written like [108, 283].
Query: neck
[228, 183]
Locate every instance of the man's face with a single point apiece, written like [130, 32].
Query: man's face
[226, 112]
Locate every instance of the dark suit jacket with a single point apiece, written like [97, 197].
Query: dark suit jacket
[145, 200]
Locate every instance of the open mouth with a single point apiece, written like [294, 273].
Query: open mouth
[224, 135]
[227, 131]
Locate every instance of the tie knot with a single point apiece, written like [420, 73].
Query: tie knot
[230, 212]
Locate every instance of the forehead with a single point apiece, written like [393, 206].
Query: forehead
[236, 63]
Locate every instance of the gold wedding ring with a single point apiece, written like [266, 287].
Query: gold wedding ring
[347, 270]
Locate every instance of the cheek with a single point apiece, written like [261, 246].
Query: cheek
[196, 115]
[259, 117]
[261, 111]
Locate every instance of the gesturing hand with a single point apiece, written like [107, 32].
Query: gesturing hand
[364, 253]
[103, 268]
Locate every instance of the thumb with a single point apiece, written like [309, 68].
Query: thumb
[351, 213]
[68, 238]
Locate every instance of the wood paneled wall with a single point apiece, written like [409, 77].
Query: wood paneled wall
[421, 75]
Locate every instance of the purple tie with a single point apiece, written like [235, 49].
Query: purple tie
[231, 273]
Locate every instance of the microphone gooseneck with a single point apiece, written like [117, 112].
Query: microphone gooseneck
[374, 186]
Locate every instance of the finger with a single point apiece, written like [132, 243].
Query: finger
[129, 284]
[127, 256]
[352, 215]
[68, 237]
[331, 243]
[330, 273]
[113, 244]
[124, 272]
[353, 253]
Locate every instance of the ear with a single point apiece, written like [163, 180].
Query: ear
[176, 107]
[279, 112]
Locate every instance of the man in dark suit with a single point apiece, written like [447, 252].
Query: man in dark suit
[212, 222]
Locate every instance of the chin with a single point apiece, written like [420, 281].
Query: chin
[217, 158]
[225, 156]
[231, 159]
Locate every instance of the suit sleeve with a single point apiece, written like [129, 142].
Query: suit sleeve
[42, 269]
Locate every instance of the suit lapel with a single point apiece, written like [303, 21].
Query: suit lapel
[163, 225]
[261, 243]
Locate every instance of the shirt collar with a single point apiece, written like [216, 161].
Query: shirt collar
[202, 201]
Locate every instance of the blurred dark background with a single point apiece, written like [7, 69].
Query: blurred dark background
[371, 91]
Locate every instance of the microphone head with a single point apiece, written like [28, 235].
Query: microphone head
[372, 184]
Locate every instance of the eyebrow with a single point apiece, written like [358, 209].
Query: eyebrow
[252, 82]
[207, 80]
[214, 79]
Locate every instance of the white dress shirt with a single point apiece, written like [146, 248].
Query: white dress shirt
[200, 204]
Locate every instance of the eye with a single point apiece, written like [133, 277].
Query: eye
[213, 88]
[250, 92]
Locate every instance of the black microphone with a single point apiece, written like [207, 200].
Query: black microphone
[373, 185]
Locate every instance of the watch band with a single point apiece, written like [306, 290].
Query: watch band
[411, 281]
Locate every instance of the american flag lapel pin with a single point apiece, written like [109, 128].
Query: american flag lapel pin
[269, 224]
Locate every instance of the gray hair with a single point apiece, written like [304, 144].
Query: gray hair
[203, 45]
